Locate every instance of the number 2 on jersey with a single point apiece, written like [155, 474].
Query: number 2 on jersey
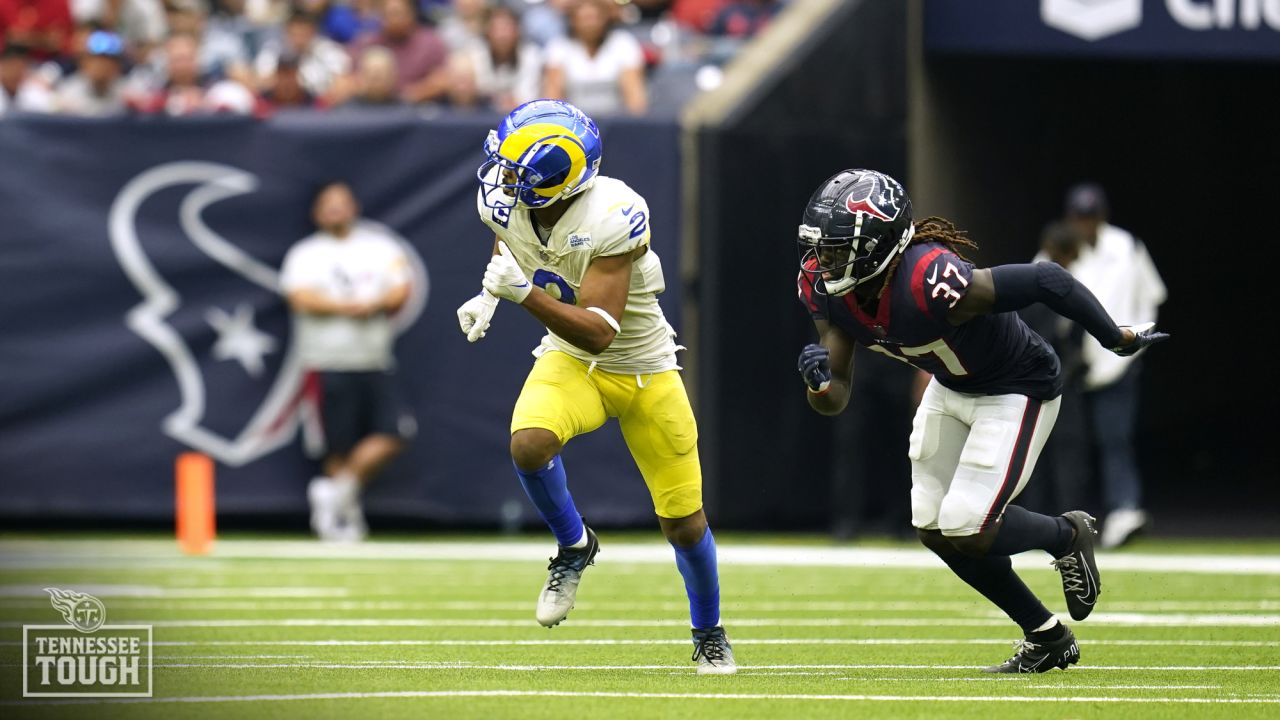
[555, 286]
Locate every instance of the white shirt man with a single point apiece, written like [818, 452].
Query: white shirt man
[342, 284]
[1119, 271]
[357, 269]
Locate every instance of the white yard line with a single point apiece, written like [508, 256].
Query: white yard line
[22, 593]
[187, 599]
[1125, 687]
[453, 666]
[737, 641]
[653, 696]
[1110, 619]
[29, 554]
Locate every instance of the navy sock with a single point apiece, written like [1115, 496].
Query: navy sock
[697, 563]
[993, 576]
[548, 488]
[1023, 530]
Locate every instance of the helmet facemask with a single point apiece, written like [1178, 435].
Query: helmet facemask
[846, 262]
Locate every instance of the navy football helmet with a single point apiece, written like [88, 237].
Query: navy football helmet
[854, 225]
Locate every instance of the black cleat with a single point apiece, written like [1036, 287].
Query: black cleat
[564, 573]
[713, 653]
[1080, 580]
[1041, 657]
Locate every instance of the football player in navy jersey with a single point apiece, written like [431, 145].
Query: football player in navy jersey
[870, 275]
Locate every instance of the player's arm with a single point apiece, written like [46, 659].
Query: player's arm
[1008, 288]
[475, 314]
[827, 368]
[592, 324]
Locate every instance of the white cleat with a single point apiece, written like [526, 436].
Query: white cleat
[565, 572]
[713, 653]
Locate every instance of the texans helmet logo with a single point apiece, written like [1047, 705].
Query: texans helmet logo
[873, 195]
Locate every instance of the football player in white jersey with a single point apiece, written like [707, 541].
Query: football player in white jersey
[572, 247]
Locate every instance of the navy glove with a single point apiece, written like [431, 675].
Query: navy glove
[815, 367]
[1144, 336]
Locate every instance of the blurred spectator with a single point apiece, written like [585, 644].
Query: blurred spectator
[376, 80]
[506, 72]
[697, 14]
[186, 90]
[219, 47]
[266, 13]
[141, 23]
[743, 18]
[287, 87]
[19, 90]
[228, 31]
[421, 55]
[464, 27]
[652, 9]
[599, 67]
[96, 88]
[343, 283]
[322, 65]
[543, 20]
[1062, 478]
[342, 22]
[1115, 266]
[42, 26]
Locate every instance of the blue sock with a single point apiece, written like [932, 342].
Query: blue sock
[548, 488]
[697, 564]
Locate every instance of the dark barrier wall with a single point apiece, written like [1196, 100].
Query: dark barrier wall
[124, 243]
[768, 455]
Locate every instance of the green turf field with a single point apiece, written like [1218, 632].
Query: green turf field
[443, 628]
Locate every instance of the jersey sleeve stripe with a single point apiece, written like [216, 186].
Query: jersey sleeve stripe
[917, 279]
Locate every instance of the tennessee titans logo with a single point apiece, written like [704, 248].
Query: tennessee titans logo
[266, 364]
[82, 611]
[873, 194]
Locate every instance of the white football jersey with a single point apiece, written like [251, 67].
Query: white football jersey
[607, 219]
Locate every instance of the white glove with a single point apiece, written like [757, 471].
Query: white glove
[504, 278]
[475, 314]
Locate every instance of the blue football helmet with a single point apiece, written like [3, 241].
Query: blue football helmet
[543, 151]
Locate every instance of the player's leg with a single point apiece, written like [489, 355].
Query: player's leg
[1007, 434]
[558, 401]
[662, 434]
[938, 440]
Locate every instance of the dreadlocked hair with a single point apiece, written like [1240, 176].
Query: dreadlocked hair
[936, 230]
[941, 230]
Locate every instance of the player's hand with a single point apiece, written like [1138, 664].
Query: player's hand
[1137, 338]
[474, 315]
[815, 367]
[504, 278]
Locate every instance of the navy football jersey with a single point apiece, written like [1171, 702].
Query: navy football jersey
[989, 355]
